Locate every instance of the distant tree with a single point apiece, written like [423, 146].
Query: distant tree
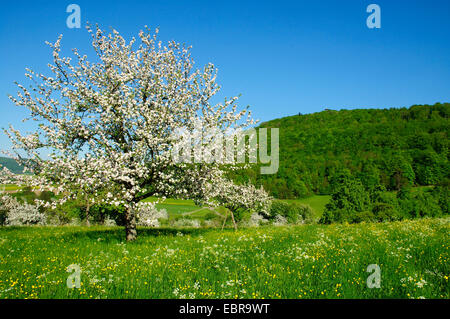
[401, 172]
[414, 203]
[442, 194]
[237, 198]
[369, 176]
[348, 198]
[428, 167]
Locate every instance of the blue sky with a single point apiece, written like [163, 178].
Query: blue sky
[284, 57]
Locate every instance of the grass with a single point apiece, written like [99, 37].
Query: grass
[171, 201]
[175, 207]
[9, 187]
[309, 261]
[316, 202]
[180, 207]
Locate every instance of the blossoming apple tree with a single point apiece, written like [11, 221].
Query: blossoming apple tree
[109, 123]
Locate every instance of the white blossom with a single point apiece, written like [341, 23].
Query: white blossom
[18, 214]
[109, 125]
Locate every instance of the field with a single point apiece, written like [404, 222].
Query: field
[179, 209]
[316, 202]
[309, 261]
[182, 208]
[9, 188]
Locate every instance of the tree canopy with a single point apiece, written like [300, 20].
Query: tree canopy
[112, 124]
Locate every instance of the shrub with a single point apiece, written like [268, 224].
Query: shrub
[385, 212]
[305, 212]
[21, 213]
[255, 220]
[71, 212]
[210, 216]
[149, 216]
[241, 214]
[419, 203]
[25, 195]
[294, 213]
[278, 208]
[333, 214]
[110, 222]
[46, 196]
[186, 222]
[280, 220]
[211, 223]
[442, 194]
[100, 213]
[327, 217]
[364, 216]
[426, 206]
[379, 212]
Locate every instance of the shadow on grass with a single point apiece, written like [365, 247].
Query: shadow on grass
[117, 234]
[9, 229]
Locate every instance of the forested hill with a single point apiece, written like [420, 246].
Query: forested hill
[393, 147]
[11, 164]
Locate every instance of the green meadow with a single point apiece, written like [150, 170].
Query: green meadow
[180, 207]
[316, 202]
[9, 188]
[305, 261]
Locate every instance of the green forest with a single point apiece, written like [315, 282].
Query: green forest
[394, 147]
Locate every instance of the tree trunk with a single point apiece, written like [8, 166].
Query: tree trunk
[234, 222]
[229, 211]
[130, 224]
[88, 206]
[224, 220]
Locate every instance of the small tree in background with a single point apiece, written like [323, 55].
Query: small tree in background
[348, 198]
[237, 197]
